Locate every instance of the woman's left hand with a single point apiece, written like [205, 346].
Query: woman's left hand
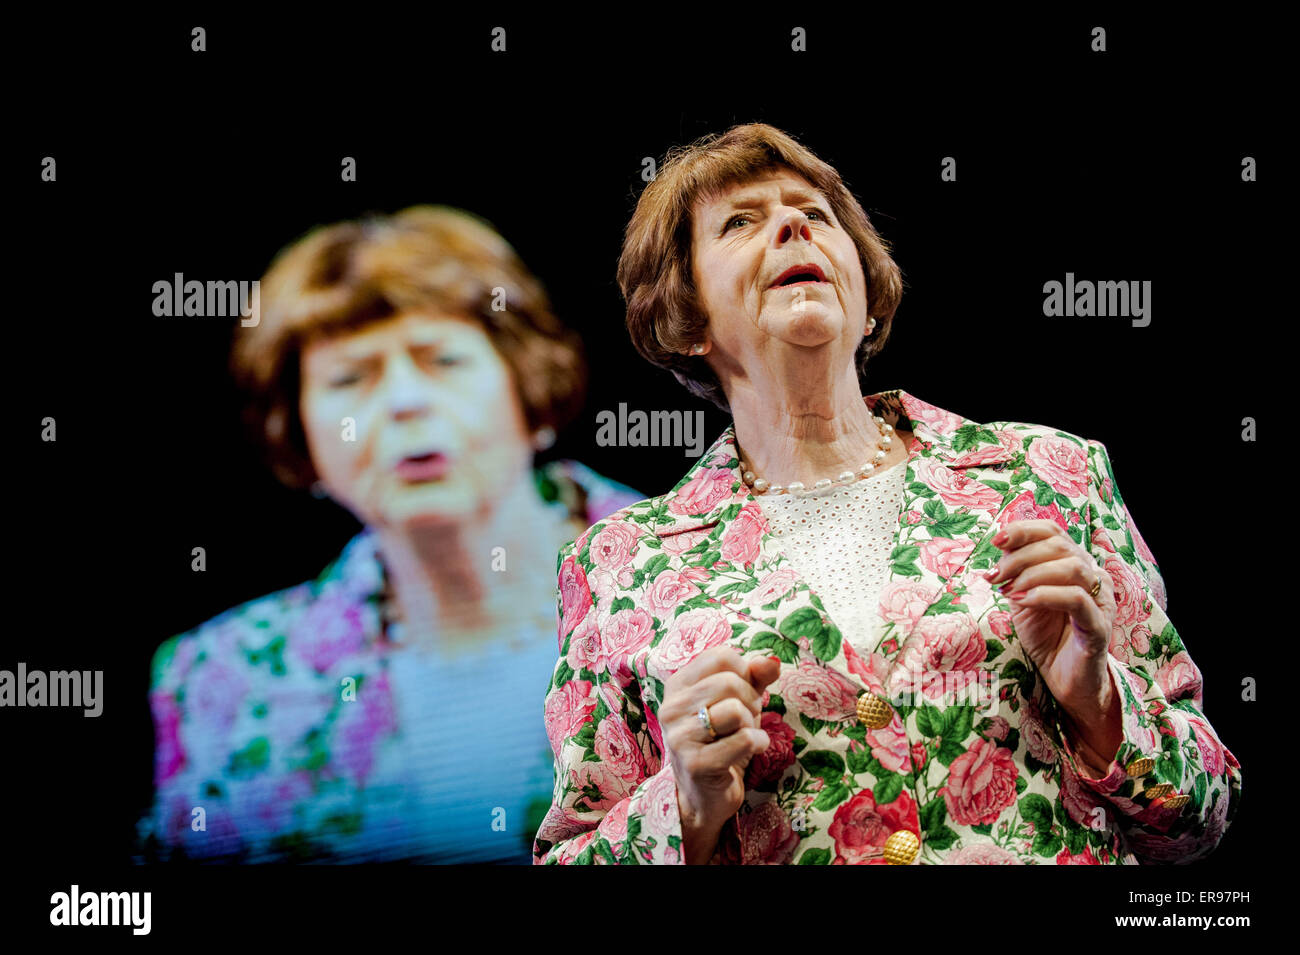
[1064, 630]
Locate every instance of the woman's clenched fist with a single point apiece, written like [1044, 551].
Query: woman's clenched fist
[710, 770]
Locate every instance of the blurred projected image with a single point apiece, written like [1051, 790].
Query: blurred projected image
[409, 367]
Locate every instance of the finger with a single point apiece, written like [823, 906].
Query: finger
[727, 716]
[1075, 601]
[734, 750]
[1018, 533]
[763, 672]
[1013, 561]
[713, 660]
[1063, 572]
[721, 686]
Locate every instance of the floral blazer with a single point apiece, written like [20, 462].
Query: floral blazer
[256, 727]
[989, 781]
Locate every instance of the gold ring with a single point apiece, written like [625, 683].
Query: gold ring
[703, 715]
[1096, 587]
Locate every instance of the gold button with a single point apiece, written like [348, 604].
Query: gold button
[1175, 802]
[874, 712]
[1140, 766]
[901, 847]
[1158, 790]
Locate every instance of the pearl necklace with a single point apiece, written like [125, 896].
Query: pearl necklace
[761, 486]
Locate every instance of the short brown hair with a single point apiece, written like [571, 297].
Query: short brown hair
[655, 268]
[342, 277]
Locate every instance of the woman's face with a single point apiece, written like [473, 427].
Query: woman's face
[438, 431]
[744, 241]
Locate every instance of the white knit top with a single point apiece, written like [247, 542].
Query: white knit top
[839, 541]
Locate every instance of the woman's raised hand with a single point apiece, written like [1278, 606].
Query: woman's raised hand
[710, 773]
[1064, 629]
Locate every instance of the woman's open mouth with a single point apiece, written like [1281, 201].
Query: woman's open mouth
[806, 274]
[423, 467]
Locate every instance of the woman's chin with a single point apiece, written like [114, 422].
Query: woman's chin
[430, 504]
[809, 333]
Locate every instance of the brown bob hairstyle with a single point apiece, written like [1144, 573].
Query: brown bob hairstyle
[664, 316]
[340, 278]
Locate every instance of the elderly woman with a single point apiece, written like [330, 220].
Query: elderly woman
[862, 629]
[408, 367]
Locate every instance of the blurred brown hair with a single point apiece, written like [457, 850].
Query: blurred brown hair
[655, 269]
[343, 277]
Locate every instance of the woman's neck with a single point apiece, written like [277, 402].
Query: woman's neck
[457, 584]
[786, 436]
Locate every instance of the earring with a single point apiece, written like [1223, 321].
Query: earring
[871, 324]
[543, 438]
[318, 491]
[697, 349]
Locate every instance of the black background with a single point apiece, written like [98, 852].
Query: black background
[1123, 165]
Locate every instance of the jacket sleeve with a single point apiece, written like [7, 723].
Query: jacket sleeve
[161, 832]
[189, 673]
[615, 798]
[1173, 785]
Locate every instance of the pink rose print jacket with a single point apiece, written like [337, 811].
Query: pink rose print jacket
[978, 778]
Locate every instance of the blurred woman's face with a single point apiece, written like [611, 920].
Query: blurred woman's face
[745, 243]
[438, 432]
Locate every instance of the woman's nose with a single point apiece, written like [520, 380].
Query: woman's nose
[406, 392]
[794, 223]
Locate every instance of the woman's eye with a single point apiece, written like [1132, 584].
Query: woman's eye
[734, 219]
[817, 213]
[449, 361]
[344, 381]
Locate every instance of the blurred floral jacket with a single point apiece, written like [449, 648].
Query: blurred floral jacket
[976, 781]
[291, 729]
